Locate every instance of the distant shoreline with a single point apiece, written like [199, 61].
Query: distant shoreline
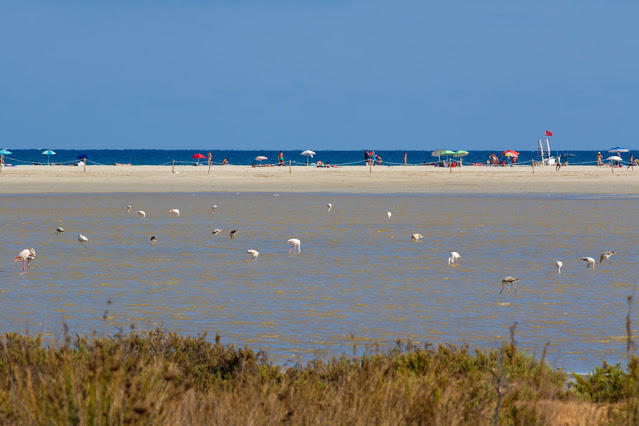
[347, 179]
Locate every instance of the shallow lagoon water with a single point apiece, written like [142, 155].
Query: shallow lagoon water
[359, 278]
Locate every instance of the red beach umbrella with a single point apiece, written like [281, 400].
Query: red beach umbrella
[510, 153]
[198, 156]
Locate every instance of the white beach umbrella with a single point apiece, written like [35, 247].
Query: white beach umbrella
[614, 158]
[308, 153]
[618, 150]
[260, 158]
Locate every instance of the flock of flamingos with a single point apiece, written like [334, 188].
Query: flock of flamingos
[28, 255]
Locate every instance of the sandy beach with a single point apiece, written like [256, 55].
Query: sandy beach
[348, 179]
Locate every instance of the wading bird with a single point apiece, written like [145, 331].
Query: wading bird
[559, 264]
[174, 212]
[389, 214]
[213, 209]
[128, 209]
[154, 239]
[295, 243]
[454, 256]
[216, 231]
[254, 253]
[27, 255]
[141, 214]
[590, 262]
[329, 206]
[82, 239]
[59, 230]
[507, 282]
[606, 256]
[416, 237]
[233, 233]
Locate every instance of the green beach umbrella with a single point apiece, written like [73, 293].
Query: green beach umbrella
[447, 153]
[48, 152]
[459, 154]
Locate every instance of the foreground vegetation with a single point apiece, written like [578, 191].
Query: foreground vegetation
[162, 378]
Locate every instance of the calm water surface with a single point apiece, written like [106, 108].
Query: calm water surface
[359, 277]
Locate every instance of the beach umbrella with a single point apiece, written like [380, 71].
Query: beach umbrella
[437, 153]
[447, 153]
[199, 156]
[308, 153]
[48, 152]
[510, 153]
[460, 154]
[614, 158]
[83, 157]
[260, 158]
[617, 150]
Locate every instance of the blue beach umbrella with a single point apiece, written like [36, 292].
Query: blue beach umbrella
[48, 152]
[83, 157]
[3, 152]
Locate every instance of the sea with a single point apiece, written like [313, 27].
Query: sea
[353, 157]
[357, 286]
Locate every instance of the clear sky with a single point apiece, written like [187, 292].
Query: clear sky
[319, 74]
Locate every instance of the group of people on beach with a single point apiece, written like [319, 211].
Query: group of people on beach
[371, 158]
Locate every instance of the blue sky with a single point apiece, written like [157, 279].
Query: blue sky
[332, 74]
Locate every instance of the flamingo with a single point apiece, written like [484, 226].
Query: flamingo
[509, 281]
[416, 237]
[329, 206]
[213, 209]
[27, 255]
[174, 212]
[590, 262]
[59, 230]
[606, 256]
[294, 242]
[141, 214]
[154, 239]
[454, 256]
[254, 253]
[128, 209]
[389, 214]
[82, 239]
[216, 231]
[559, 264]
[233, 233]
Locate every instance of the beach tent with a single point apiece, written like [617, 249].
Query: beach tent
[48, 152]
[199, 156]
[308, 153]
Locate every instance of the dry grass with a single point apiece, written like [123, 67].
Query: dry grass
[162, 378]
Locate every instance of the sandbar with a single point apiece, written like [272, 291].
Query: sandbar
[301, 179]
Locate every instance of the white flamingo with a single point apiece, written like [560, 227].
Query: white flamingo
[254, 253]
[27, 255]
[128, 209]
[559, 264]
[389, 214]
[454, 257]
[154, 239]
[329, 206]
[216, 231]
[416, 237]
[233, 233]
[507, 282]
[295, 243]
[141, 214]
[590, 262]
[82, 239]
[174, 212]
[59, 230]
[606, 256]
[213, 209]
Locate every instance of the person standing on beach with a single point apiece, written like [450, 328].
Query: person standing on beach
[366, 156]
[405, 156]
[210, 158]
[599, 157]
[632, 162]
[280, 159]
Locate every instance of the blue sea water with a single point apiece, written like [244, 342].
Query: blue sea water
[237, 157]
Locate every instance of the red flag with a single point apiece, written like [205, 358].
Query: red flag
[548, 133]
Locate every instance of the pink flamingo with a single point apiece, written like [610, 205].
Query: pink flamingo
[294, 242]
[27, 255]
